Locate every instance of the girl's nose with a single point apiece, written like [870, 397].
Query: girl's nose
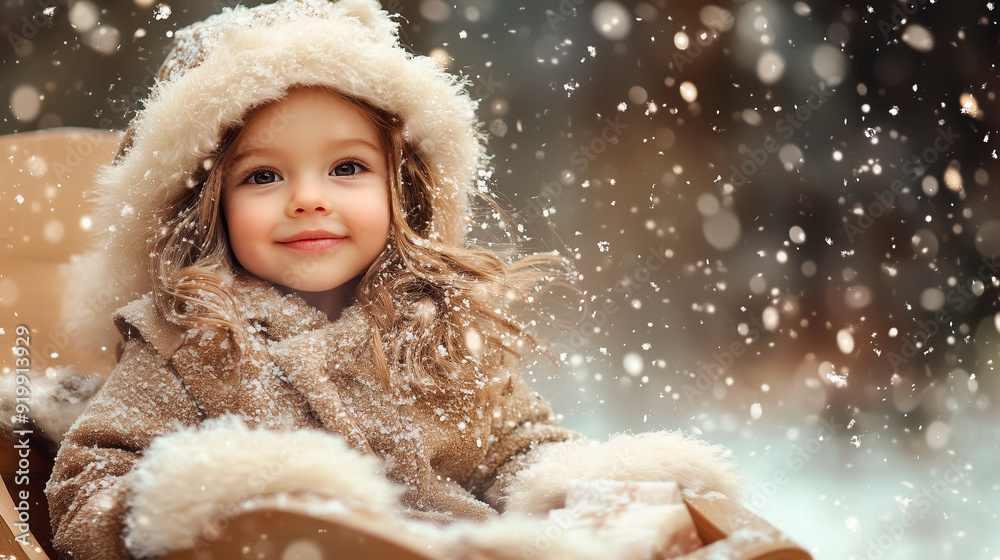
[308, 196]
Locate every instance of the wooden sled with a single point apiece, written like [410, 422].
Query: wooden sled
[278, 533]
[728, 530]
[42, 223]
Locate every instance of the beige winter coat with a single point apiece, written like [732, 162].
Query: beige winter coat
[449, 448]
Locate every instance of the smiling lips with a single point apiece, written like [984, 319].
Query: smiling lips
[314, 240]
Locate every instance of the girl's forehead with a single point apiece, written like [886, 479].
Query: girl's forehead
[307, 99]
[313, 112]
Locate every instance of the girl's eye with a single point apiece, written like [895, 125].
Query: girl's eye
[347, 169]
[263, 177]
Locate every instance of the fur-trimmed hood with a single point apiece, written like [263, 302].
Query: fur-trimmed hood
[242, 58]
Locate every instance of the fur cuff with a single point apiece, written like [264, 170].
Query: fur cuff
[189, 483]
[651, 456]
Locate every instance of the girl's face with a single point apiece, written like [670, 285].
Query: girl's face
[306, 197]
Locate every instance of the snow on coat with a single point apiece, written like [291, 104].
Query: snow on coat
[449, 450]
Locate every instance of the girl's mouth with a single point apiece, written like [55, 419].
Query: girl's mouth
[314, 240]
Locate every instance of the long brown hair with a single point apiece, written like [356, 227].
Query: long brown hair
[457, 300]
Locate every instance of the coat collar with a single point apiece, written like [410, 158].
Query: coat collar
[283, 315]
[279, 316]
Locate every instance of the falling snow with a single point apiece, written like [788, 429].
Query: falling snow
[781, 207]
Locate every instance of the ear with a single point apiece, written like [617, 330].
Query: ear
[372, 16]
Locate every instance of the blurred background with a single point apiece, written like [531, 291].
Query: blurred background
[785, 214]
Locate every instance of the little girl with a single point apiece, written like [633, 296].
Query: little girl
[286, 220]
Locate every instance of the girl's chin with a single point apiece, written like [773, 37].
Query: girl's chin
[315, 288]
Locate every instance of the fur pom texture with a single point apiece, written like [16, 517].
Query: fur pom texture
[190, 482]
[651, 456]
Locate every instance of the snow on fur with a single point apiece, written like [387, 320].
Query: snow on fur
[652, 456]
[191, 480]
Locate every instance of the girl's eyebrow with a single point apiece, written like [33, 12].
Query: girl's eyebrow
[342, 143]
[247, 153]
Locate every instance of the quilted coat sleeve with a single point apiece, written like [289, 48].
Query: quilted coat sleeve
[89, 487]
[522, 422]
